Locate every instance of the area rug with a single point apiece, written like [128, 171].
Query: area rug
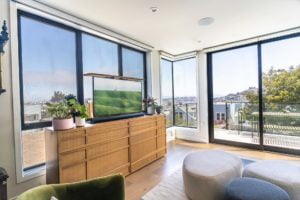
[172, 187]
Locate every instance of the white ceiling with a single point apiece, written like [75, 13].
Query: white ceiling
[174, 28]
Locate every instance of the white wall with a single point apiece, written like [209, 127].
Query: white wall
[7, 149]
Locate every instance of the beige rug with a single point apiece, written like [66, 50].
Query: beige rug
[170, 188]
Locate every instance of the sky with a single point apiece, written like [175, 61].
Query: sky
[185, 78]
[236, 70]
[49, 60]
[49, 63]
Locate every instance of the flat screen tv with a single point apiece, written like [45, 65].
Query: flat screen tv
[116, 97]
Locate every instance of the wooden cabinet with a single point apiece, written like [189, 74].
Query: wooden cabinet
[121, 146]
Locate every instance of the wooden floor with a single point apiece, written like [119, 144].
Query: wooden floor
[140, 182]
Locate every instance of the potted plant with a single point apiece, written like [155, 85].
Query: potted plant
[80, 113]
[158, 109]
[61, 113]
[150, 105]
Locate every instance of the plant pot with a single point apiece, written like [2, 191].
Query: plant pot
[79, 121]
[150, 110]
[62, 124]
[158, 110]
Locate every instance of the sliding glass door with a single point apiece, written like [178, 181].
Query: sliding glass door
[281, 93]
[254, 95]
[235, 95]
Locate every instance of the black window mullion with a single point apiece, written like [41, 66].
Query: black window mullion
[79, 67]
[173, 98]
[120, 60]
[145, 76]
[260, 97]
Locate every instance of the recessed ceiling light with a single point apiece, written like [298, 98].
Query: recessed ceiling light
[206, 21]
[154, 9]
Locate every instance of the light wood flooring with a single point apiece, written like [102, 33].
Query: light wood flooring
[140, 182]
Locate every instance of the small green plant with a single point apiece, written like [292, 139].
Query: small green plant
[158, 108]
[59, 110]
[80, 110]
[149, 101]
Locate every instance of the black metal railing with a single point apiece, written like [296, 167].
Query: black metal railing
[278, 118]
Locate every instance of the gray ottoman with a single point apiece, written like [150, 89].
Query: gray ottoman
[280, 173]
[254, 189]
[206, 174]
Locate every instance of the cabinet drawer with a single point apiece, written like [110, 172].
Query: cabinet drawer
[73, 173]
[103, 165]
[161, 152]
[137, 127]
[102, 149]
[107, 127]
[143, 162]
[142, 136]
[161, 141]
[71, 140]
[72, 158]
[142, 149]
[101, 137]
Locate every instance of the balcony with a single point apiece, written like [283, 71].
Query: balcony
[239, 122]
[185, 114]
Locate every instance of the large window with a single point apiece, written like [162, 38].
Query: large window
[235, 95]
[48, 67]
[257, 87]
[281, 93]
[167, 89]
[48, 73]
[185, 92]
[179, 92]
[132, 63]
[53, 60]
[98, 56]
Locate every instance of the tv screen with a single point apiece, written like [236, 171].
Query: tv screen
[116, 97]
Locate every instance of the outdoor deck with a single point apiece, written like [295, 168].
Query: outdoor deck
[285, 141]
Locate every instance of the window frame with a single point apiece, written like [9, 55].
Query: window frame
[79, 62]
[260, 146]
[173, 92]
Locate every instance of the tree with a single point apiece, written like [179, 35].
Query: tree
[282, 86]
[58, 96]
[279, 87]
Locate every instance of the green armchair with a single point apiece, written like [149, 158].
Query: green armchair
[106, 188]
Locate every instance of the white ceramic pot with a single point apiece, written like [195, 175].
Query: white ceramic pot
[79, 121]
[150, 110]
[62, 124]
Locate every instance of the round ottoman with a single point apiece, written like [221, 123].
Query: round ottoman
[280, 173]
[206, 174]
[254, 189]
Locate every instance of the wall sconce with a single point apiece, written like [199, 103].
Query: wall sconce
[3, 40]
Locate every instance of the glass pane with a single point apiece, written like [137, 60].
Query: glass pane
[98, 56]
[281, 93]
[235, 95]
[33, 144]
[167, 90]
[133, 63]
[185, 92]
[48, 66]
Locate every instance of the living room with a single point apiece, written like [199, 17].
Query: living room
[157, 97]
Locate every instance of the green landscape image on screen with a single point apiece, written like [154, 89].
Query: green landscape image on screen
[114, 97]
